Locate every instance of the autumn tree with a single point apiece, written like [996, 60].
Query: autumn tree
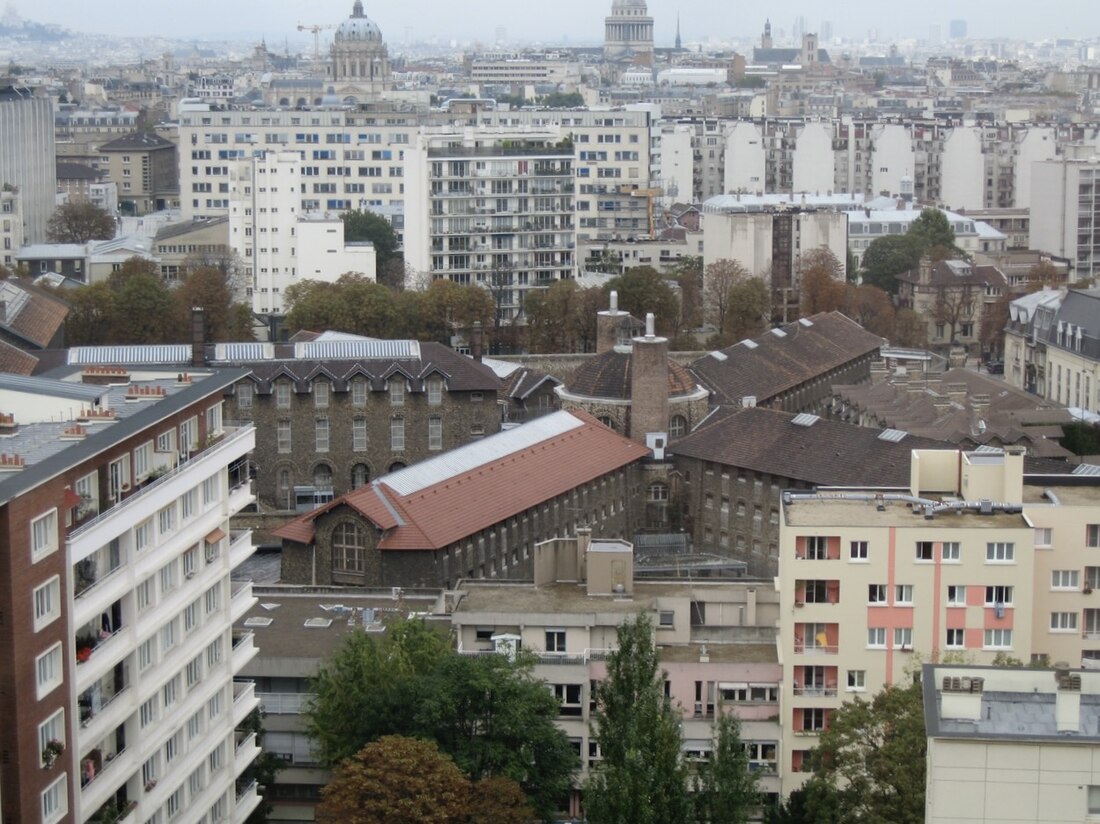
[720, 279]
[748, 315]
[873, 754]
[871, 308]
[550, 315]
[991, 334]
[79, 221]
[689, 275]
[725, 787]
[396, 780]
[821, 286]
[208, 288]
[910, 329]
[641, 778]
[1043, 273]
[953, 308]
[91, 313]
[499, 800]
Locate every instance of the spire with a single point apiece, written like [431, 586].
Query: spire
[679, 43]
[357, 9]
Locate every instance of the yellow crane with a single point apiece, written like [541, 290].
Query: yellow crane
[316, 29]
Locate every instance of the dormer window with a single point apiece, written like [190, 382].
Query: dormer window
[397, 391]
[320, 393]
[434, 386]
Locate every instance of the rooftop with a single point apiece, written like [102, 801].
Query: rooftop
[837, 512]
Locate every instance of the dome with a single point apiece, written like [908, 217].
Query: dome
[358, 27]
[629, 4]
[608, 376]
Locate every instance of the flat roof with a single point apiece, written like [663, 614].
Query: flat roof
[836, 512]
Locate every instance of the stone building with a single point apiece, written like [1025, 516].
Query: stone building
[335, 412]
[145, 167]
[628, 32]
[360, 70]
[476, 512]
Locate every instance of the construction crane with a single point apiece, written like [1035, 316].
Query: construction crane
[316, 28]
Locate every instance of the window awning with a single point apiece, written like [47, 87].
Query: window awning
[215, 536]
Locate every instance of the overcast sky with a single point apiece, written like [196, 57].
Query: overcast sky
[572, 21]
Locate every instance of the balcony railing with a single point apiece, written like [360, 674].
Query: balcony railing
[231, 435]
[816, 692]
[284, 703]
[246, 789]
[808, 649]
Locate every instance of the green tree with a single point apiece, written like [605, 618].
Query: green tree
[550, 317]
[499, 800]
[352, 303]
[886, 258]
[931, 229]
[396, 780]
[817, 802]
[642, 290]
[79, 221]
[264, 768]
[748, 315]
[725, 787]
[495, 718]
[361, 225]
[91, 313]
[142, 308]
[641, 779]
[720, 279]
[873, 753]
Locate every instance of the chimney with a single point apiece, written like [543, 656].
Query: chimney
[475, 341]
[198, 336]
[648, 383]
[3, 311]
[609, 323]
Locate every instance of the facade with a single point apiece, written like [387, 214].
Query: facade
[1072, 348]
[118, 681]
[716, 643]
[628, 32]
[1030, 318]
[11, 226]
[179, 245]
[27, 157]
[1011, 744]
[1065, 212]
[476, 512]
[867, 226]
[952, 297]
[491, 209]
[145, 168]
[359, 71]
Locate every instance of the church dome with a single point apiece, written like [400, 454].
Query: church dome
[358, 27]
[628, 4]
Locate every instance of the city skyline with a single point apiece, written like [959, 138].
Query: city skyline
[575, 21]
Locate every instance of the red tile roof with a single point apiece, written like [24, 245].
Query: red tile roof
[465, 503]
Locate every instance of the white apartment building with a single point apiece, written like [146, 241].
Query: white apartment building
[1065, 212]
[27, 156]
[278, 242]
[11, 226]
[119, 677]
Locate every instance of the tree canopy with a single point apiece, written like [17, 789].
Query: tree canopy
[642, 290]
[725, 787]
[79, 221]
[361, 225]
[641, 778]
[891, 255]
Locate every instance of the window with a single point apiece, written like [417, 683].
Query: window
[168, 577]
[435, 391]
[214, 655]
[659, 493]
[359, 435]
[143, 534]
[320, 394]
[214, 706]
[951, 551]
[44, 535]
[210, 490]
[925, 551]
[1092, 535]
[175, 801]
[149, 770]
[349, 546]
[397, 435]
[143, 456]
[1063, 622]
[212, 598]
[569, 699]
[191, 616]
[1094, 799]
[956, 596]
[666, 618]
[244, 395]
[47, 603]
[435, 434]
[998, 595]
[145, 654]
[216, 758]
[397, 391]
[997, 639]
[168, 692]
[166, 441]
[903, 594]
[148, 712]
[168, 636]
[360, 476]
[282, 436]
[55, 801]
[813, 719]
[817, 547]
[359, 392]
[876, 594]
[282, 395]
[189, 502]
[857, 680]
[677, 426]
[194, 671]
[1044, 536]
[857, 551]
[172, 748]
[555, 640]
[956, 638]
[903, 637]
[166, 519]
[146, 593]
[320, 429]
[1000, 552]
[1064, 579]
[47, 669]
[876, 637]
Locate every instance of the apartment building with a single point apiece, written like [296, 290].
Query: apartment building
[145, 169]
[491, 208]
[118, 683]
[1030, 317]
[27, 157]
[11, 226]
[883, 581]
[716, 644]
[1065, 212]
[1071, 347]
[953, 298]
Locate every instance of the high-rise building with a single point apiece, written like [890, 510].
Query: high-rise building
[957, 29]
[1065, 212]
[117, 656]
[27, 157]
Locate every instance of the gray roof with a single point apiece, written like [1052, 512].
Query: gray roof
[171, 353]
[1081, 308]
[53, 388]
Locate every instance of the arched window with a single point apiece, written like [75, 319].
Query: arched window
[677, 426]
[396, 465]
[360, 476]
[658, 492]
[322, 476]
[349, 545]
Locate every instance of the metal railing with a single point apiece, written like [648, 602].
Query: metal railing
[284, 703]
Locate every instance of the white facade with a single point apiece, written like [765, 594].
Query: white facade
[1065, 212]
[814, 163]
[748, 237]
[745, 159]
[891, 158]
[1038, 143]
[27, 157]
[11, 226]
[675, 162]
[963, 170]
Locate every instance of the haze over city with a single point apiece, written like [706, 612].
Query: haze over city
[574, 20]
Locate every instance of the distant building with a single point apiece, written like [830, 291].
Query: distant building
[957, 29]
[11, 226]
[952, 297]
[1030, 319]
[145, 168]
[360, 64]
[27, 157]
[1065, 194]
[628, 32]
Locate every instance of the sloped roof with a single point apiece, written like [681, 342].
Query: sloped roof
[608, 375]
[956, 273]
[15, 361]
[31, 314]
[445, 499]
[827, 453]
[1080, 308]
[775, 362]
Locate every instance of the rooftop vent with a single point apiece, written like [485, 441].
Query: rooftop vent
[805, 419]
[892, 435]
[749, 344]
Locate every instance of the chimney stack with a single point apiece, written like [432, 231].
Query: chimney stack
[198, 336]
[475, 341]
[609, 324]
[648, 384]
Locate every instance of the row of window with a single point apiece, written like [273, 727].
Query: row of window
[359, 387]
[322, 432]
[817, 548]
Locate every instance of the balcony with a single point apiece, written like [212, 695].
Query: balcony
[97, 567]
[99, 697]
[240, 599]
[284, 703]
[98, 632]
[109, 757]
[248, 798]
[244, 650]
[244, 700]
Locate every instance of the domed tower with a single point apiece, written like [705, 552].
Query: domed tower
[628, 31]
[360, 69]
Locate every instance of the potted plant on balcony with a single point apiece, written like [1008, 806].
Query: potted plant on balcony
[51, 751]
[84, 646]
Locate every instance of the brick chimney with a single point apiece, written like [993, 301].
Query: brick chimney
[648, 383]
[476, 341]
[198, 336]
[609, 324]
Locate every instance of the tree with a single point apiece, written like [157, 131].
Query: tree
[817, 802]
[721, 278]
[79, 221]
[953, 307]
[1043, 273]
[689, 276]
[821, 284]
[931, 229]
[499, 800]
[748, 315]
[396, 780]
[361, 225]
[994, 320]
[142, 306]
[208, 288]
[871, 308]
[641, 778]
[264, 768]
[725, 788]
[886, 258]
[909, 329]
[873, 754]
[550, 317]
[91, 313]
[642, 290]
